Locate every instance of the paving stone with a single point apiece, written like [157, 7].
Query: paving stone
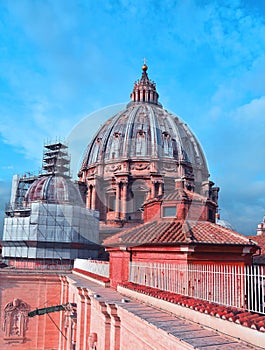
[160, 319]
[200, 333]
[179, 331]
[171, 327]
[148, 313]
[230, 346]
[199, 343]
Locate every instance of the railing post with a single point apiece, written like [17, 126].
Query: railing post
[231, 285]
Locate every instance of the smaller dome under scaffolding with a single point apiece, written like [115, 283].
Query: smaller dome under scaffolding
[53, 189]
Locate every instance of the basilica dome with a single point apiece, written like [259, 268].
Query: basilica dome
[144, 130]
[53, 189]
[149, 132]
[139, 153]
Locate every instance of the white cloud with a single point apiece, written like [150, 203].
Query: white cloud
[252, 111]
[7, 167]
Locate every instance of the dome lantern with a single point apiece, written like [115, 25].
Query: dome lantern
[145, 89]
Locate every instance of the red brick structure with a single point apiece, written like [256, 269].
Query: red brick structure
[179, 229]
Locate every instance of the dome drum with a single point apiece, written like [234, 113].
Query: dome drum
[121, 199]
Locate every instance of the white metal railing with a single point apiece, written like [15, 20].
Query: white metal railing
[230, 285]
[97, 267]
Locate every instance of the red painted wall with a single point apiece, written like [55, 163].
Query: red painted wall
[152, 211]
[38, 291]
[185, 254]
[119, 266]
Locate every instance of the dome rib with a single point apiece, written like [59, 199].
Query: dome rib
[175, 128]
[154, 136]
[129, 132]
[45, 188]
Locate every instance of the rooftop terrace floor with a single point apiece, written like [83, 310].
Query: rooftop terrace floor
[192, 335]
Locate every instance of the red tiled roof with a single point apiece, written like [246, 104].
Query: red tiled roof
[232, 314]
[151, 232]
[174, 232]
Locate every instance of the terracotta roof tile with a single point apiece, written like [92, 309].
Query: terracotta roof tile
[232, 314]
[177, 232]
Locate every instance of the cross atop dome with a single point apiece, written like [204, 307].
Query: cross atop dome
[144, 90]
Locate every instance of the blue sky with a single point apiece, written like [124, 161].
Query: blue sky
[60, 61]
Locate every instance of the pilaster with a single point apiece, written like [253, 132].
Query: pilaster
[115, 327]
[80, 319]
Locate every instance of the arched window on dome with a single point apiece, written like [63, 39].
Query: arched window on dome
[115, 146]
[141, 144]
[167, 144]
[142, 119]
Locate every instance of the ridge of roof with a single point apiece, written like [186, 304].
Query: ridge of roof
[168, 231]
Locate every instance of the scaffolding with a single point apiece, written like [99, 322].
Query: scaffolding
[20, 186]
[44, 229]
[52, 231]
[56, 159]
